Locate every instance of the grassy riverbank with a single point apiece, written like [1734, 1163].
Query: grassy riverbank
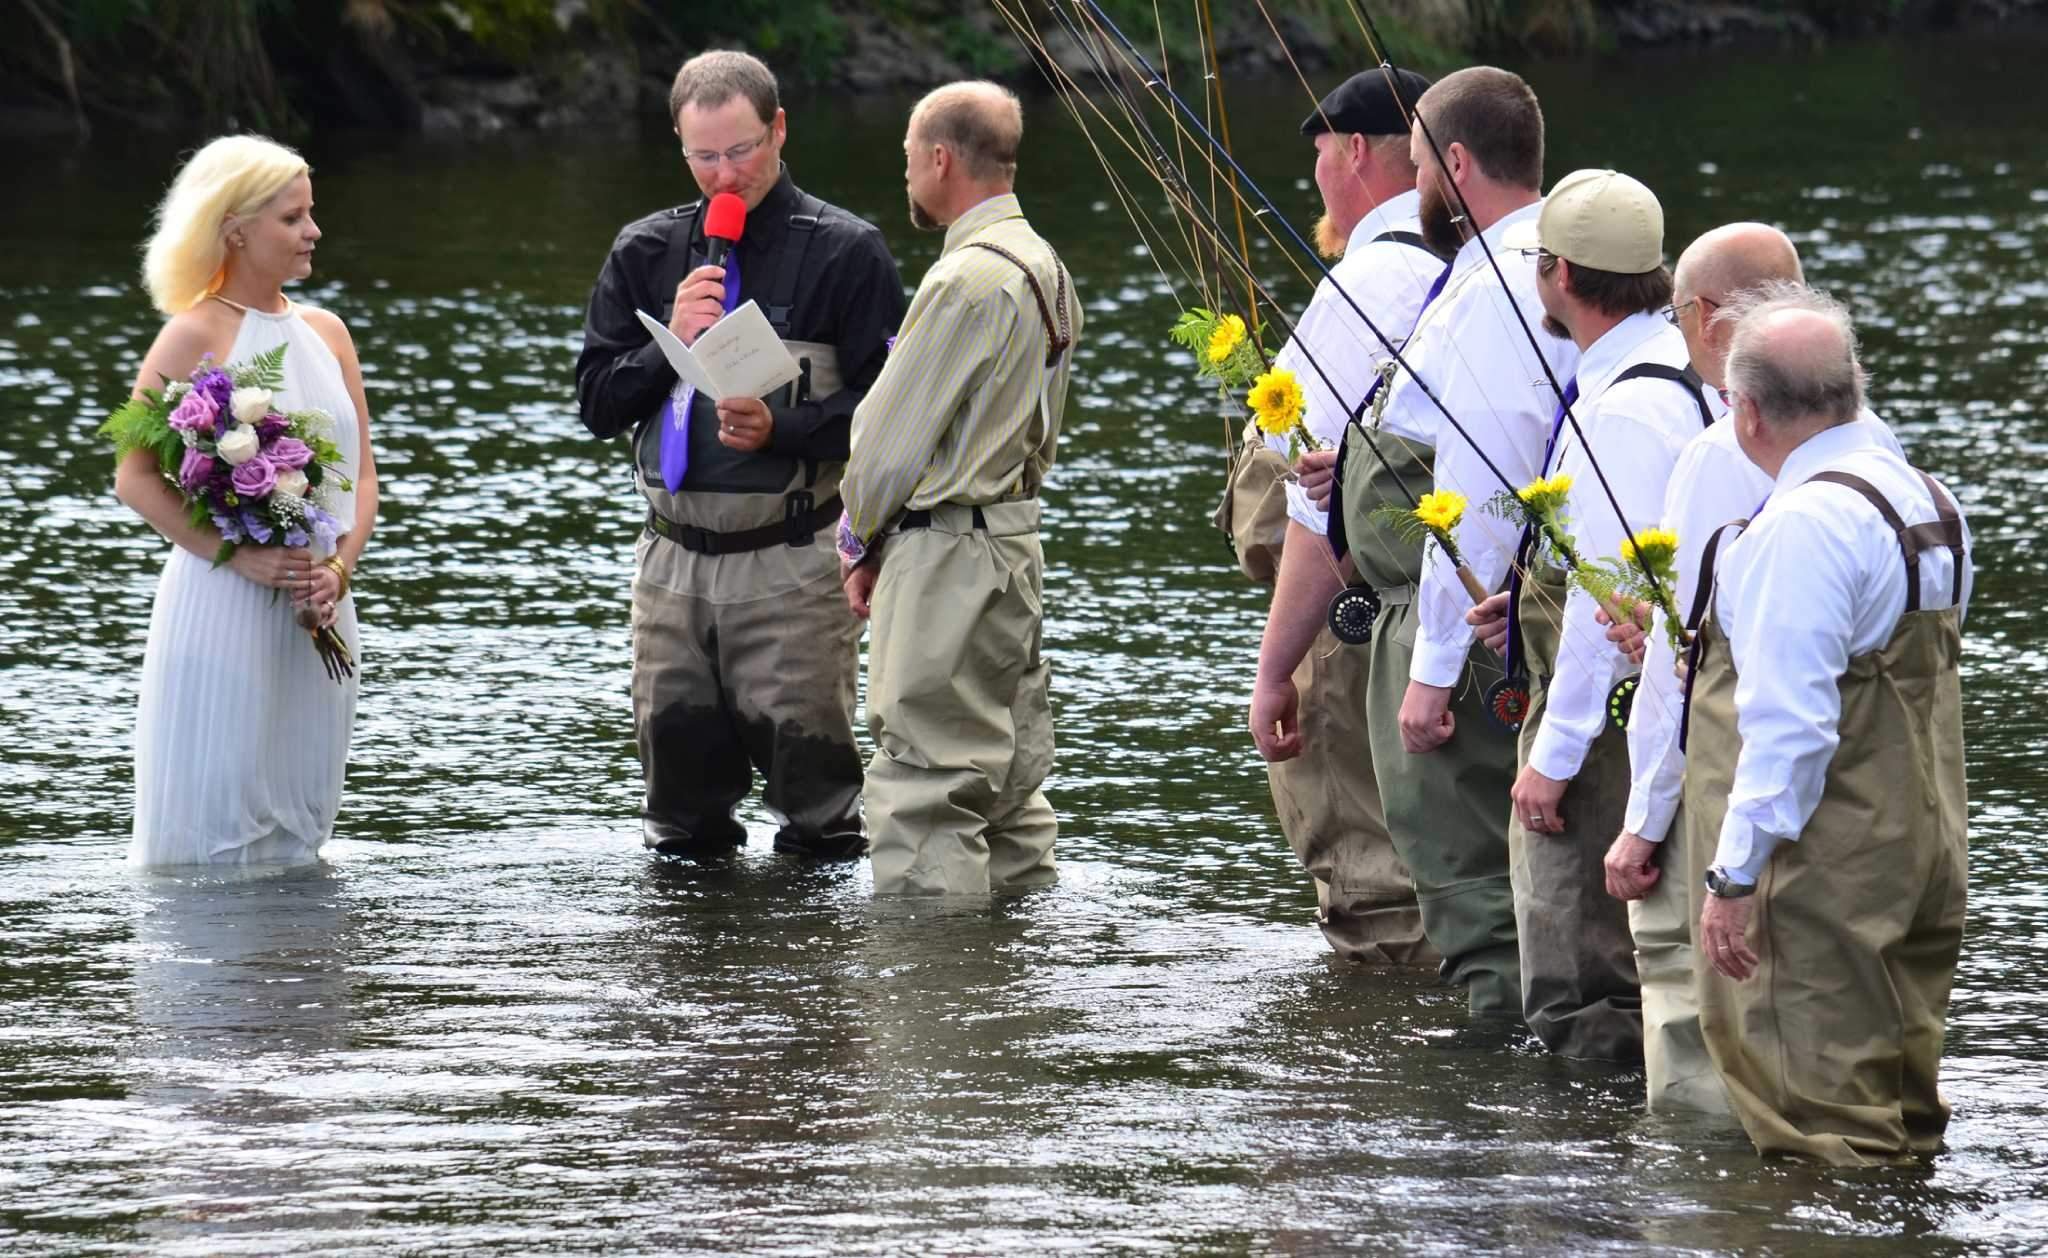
[295, 66]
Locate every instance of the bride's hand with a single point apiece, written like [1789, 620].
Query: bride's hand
[279, 567]
[324, 589]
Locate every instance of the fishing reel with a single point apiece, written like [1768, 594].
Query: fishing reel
[1621, 700]
[1352, 613]
[1507, 702]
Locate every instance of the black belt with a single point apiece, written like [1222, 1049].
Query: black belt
[800, 523]
[923, 520]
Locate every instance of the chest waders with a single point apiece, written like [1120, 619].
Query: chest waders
[1832, 1048]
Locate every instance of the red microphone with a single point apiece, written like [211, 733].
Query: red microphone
[724, 219]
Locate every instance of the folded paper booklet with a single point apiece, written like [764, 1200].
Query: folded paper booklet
[738, 356]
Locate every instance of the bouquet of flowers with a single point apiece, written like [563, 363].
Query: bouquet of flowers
[258, 475]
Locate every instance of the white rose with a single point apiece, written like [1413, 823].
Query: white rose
[293, 483]
[249, 406]
[239, 445]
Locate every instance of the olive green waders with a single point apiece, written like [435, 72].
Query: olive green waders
[1580, 994]
[1444, 808]
[746, 662]
[1831, 1049]
[959, 706]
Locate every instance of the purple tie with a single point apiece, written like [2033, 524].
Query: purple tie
[675, 412]
[1527, 546]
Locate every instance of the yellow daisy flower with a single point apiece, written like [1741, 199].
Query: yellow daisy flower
[1276, 399]
[1441, 510]
[1656, 547]
[1223, 342]
[1546, 492]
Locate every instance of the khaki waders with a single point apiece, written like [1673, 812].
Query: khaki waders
[1580, 994]
[746, 662]
[1680, 1074]
[1832, 1048]
[959, 706]
[1442, 809]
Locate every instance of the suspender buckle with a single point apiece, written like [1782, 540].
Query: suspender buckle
[797, 524]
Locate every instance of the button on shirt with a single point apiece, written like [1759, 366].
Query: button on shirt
[1636, 429]
[1814, 582]
[1472, 351]
[1388, 280]
[1713, 483]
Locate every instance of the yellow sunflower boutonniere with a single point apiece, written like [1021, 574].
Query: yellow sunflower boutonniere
[1435, 516]
[1223, 345]
[1277, 403]
[1223, 342]
[1655, 551]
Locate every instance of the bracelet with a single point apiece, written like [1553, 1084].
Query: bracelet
[340, 570]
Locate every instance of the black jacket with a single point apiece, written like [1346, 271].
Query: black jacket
[848, 294]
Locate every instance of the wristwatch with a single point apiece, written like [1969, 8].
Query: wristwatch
[1721, 885]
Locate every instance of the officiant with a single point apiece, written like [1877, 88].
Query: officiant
[744, 651]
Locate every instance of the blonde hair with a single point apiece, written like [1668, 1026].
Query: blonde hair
[234, 175]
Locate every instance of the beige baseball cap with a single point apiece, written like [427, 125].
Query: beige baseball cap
[1597, 218]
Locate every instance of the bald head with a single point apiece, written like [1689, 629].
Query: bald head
[1736, 258]
[981, 123]
[1792, 358]
[1731, 258]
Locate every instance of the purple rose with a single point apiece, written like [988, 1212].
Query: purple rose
[195, 413]
[255, 478]
[273, 427]
[195, 471]
[288, 452]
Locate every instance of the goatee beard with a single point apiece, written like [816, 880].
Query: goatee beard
[1556, 329]
[1328, 242]
[1439, 230]
[920, 217]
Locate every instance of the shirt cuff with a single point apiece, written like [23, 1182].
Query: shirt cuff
[1437, 664]
[1556, 754]
[1648, 817]
[1303, 512]
[1743, 850]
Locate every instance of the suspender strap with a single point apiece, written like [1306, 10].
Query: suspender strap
[1060, 337]
[1945, 532]
[782, 297]
[675, 256]
[1703, 593]
[1406, 238]
[1684, 376]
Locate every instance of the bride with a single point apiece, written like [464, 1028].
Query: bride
[241, 737]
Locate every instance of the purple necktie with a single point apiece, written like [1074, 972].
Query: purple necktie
[675, 412]
[1525, 549]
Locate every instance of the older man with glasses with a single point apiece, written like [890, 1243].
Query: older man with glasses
[744, 652]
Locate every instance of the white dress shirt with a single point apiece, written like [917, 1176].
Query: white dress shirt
[1814, 582]
[1388, 280]
[1473, 352]
[1714, 483]
[1636, 429]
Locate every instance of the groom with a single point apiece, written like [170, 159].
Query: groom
[743, 647]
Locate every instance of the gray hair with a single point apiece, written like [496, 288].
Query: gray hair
[710, 79]
[1793, 355]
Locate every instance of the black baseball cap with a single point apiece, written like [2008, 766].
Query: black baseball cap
[1365, 104]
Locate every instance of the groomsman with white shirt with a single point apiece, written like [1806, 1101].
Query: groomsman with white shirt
[1444, 767]
[1308, 708]
[1824, 762]
[1637, 404]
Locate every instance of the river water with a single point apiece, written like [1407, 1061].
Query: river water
[489, 1021]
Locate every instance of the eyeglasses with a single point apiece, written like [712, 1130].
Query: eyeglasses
[708, 159]
[1728, 397]
[1670, 312]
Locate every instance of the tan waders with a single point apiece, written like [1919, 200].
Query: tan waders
[746, 660]
[958, 705]
[1253, 513]
[1831, 1049]
[1329, 805]
[1579, 989]
[1441, 808]
[1681, 1076]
